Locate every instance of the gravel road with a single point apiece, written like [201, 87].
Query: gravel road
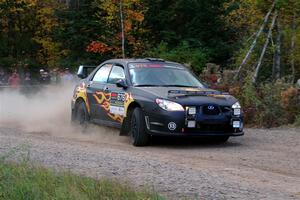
[264, 164]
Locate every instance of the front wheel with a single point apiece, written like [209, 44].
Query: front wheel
[138, 128]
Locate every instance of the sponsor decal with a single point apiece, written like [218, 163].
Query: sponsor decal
[192, 90]
[172, 126]
[117, 103]
[146, 65]
[114, 104]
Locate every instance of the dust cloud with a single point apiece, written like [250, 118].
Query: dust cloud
[48, 112]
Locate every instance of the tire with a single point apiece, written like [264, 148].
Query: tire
[138, 134]
[81, 115]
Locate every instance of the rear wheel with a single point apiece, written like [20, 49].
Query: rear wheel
[81, 115]
[138, 128]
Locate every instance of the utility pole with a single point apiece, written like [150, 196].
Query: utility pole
[122, 28]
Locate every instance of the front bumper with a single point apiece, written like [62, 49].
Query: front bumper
[195, 134]
[165, 123]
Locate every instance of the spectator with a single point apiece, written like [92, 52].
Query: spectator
[44, 77]
[67, 76]
[3, 78]
[14, 80]
[27, 79]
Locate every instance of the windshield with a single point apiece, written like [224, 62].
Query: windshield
[161, 74]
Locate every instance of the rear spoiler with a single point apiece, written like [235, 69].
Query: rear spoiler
[84, 71]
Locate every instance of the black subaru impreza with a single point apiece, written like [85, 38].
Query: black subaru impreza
[149, 97]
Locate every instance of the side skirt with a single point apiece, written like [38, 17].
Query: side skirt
[106, 123]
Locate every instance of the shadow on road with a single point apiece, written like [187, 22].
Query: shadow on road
[193, 142]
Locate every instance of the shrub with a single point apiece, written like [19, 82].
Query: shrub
[269, 105]
[297, 120]
[290, 101]
[251, 103]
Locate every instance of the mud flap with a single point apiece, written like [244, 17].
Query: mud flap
[125, 128]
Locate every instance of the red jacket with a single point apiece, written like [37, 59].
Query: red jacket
[14, 80]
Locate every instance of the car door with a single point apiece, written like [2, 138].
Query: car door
[117, 110]
[97, 93]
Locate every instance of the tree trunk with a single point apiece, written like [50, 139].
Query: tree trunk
[122, 28]
[266, 19]
[277, 54]
[254, 78]
[293, 47]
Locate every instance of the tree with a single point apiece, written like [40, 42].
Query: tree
[281, 54]
[122, 20]
[193, 32]
[26, 30]
[78, 26]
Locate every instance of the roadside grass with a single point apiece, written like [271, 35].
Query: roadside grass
[25, 181]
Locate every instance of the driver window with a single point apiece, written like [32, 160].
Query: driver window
[116, 74]
[102, 74]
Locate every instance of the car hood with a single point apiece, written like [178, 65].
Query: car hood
[190, 96]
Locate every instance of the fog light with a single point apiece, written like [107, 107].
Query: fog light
[192, 111]
[236, 111]
[191, 124]
[236, 124]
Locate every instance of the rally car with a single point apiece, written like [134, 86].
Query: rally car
[153, 97]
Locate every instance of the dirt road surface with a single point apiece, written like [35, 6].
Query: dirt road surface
[264, 164]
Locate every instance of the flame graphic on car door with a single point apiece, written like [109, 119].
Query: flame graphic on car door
[104, 100]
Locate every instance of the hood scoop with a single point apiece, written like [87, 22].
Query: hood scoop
[186, 93]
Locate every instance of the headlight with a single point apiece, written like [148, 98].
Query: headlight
[169, 105]
[236, 108]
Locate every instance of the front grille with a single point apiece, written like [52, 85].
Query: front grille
[211, 128]
[211, 110]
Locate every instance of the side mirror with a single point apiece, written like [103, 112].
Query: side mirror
[82, 73]
[121, 83]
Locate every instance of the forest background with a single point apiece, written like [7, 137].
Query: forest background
[258, 41]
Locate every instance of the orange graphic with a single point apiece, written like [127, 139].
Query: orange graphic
[81, 92]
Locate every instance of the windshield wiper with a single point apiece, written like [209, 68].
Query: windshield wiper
[150, 85]
[146, 85]
[180, 86]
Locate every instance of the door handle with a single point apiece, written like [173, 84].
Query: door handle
[89, 84]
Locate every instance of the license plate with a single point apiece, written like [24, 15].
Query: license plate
[236, 124]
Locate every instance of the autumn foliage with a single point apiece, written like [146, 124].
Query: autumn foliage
[98, 47]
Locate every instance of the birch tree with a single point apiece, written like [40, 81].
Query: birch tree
[266, 19]
[277, 54]
[254, 79]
